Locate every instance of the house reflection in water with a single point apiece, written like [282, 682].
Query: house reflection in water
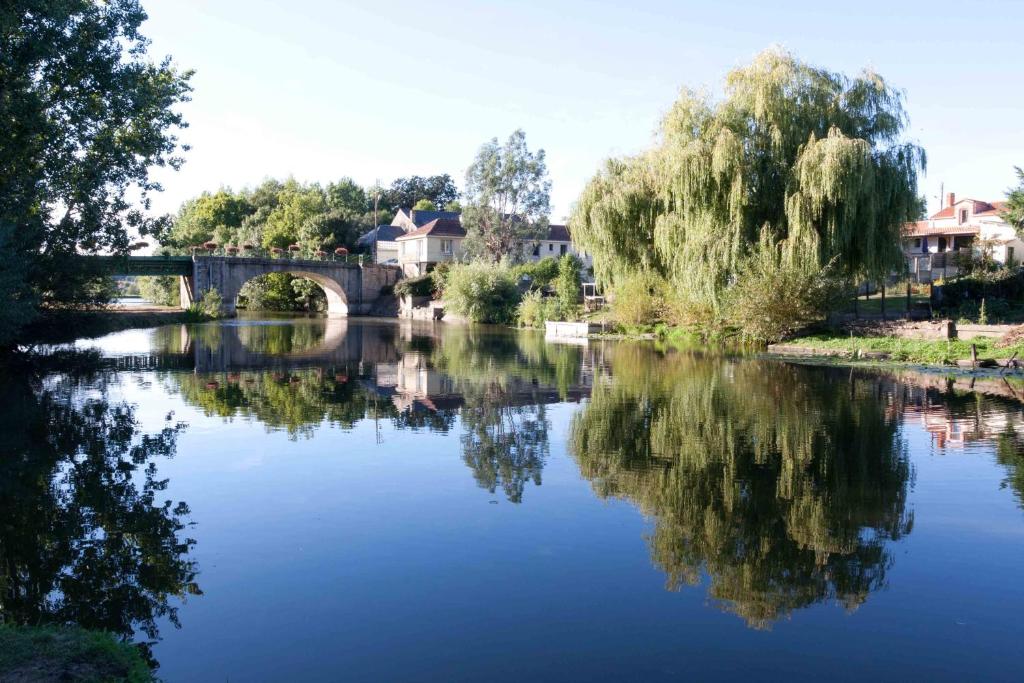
[960, 421]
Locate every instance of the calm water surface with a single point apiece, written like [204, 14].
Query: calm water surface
[270, 500]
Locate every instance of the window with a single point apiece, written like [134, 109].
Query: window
[917, 243]
[561, 249]
[551, 247]
[963, 215]
[536, 249]
[446, 247]
[1009, 257]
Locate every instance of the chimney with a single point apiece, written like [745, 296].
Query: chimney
[951, 199]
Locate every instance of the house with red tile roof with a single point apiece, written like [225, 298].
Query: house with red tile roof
[421, 249]
[961, 226]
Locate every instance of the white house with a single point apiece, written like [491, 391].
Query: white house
[967, 224]
[423, 248]
[555, 244]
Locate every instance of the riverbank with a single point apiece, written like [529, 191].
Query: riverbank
[46, 653]
[60, 326]
[938, 352]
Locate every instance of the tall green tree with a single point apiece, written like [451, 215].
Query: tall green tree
[815, 159]
[85, 115]
[508, 199]
[1014, 212]
[405, 192]
[216, 217]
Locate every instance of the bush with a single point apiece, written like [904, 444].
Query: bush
[568, 287]
[482, 292]
[421, 285]
[639, 299]
[535, 309]
[440, 276]
[1005, 283]
[772, 297]
[207, 308]
[541, 273]
[162, 290]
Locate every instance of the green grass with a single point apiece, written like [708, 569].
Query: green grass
[68, 654]
[941, 352]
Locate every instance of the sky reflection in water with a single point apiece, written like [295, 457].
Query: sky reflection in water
[381, 500]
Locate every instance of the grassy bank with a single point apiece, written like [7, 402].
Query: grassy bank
[67, 654]
[932, 352]
[55, 327]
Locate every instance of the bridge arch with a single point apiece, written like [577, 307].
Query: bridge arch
[337, 300]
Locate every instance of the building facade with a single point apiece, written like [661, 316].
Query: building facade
[961, 227]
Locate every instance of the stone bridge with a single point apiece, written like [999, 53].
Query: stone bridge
[351, 289]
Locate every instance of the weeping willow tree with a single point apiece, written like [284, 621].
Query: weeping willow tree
[784, 485]
[814, 160]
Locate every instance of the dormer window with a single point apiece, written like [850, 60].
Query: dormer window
[963, 216]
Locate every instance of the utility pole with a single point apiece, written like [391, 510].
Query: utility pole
[376, 226]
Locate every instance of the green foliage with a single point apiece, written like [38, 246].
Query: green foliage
[541, 273]
[216, 217]
[1014, 212]
[207, 308]
[89, 534]
[507, 199]
[20, 299]
[810, 157]
[274, 292]
[482, 292]
[421, 285]
[639, 299]
[937, 352]
[776, 295]
[162, 290]
[440, 190]
[86, 114]
[774, 487]
[568, 286]
[69, 653]
[1003, 283]
[535, 309]
[425, 205]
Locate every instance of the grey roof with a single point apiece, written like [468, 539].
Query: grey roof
[421, 218]
[385, 233]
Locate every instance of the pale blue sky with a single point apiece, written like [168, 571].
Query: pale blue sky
[321, 89]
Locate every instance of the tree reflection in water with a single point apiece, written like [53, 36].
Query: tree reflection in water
[783, 485]
[85, 536]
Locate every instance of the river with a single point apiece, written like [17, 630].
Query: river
[308, 499]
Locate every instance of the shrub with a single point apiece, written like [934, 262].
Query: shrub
[1005, 283]
[541, 273]
[440, 276]
[535, 309]
[483, 292]
[421, 285]
[774, 297]
[207, 308]
[568, 286]
[639, 299]
[162, 290]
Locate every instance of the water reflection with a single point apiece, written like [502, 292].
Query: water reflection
[299, 377]
[784, 485]
[779, 486]
[86, 534]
